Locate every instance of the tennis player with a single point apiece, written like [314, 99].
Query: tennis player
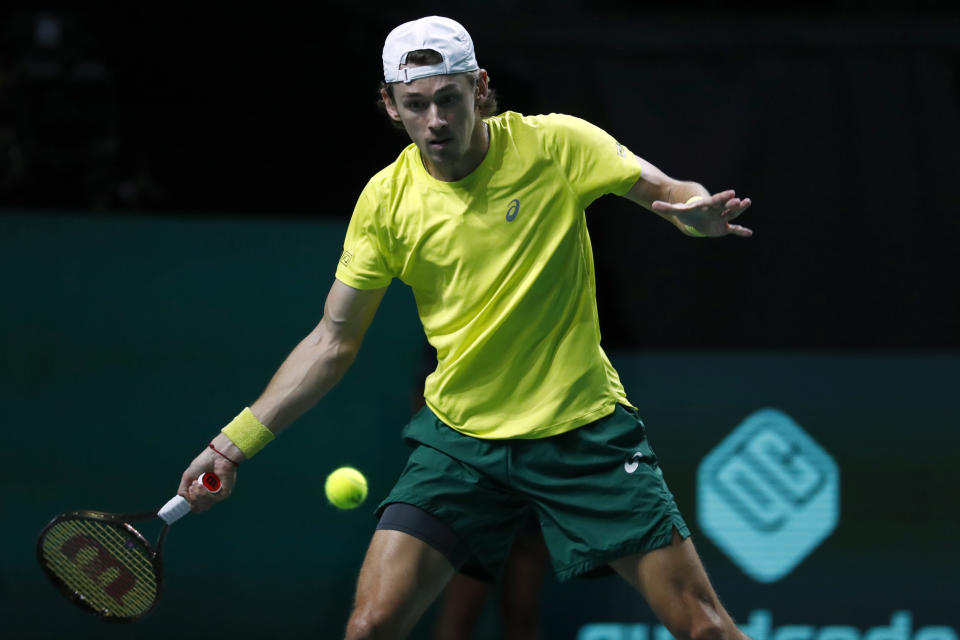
[483, 217]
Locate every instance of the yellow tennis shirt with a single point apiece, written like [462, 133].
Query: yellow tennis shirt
[501, 267]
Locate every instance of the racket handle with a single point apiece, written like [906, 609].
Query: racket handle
[177, 506]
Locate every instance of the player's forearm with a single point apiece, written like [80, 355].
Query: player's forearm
[654, 185]
[309, 372]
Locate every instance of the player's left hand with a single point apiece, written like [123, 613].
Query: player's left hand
[710, 216]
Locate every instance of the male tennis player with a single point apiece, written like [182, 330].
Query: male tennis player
[483, 217]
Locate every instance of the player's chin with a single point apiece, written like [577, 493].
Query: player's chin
[444, 151]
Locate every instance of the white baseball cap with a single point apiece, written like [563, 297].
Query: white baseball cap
[445, 36]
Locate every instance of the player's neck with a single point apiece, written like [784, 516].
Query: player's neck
[470, 160]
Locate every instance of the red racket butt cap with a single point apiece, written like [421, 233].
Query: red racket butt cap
[210, 481]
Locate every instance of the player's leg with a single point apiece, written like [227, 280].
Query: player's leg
[675, 584]
[615, 510]
[522, 584]
[452, 512]
[523, 581]
[460, 608]
[400, 578]
[519, 601]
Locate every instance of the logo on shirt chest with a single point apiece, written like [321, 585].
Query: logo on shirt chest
[513, 210]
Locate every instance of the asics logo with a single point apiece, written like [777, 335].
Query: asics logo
[513, 210]
[631, 465]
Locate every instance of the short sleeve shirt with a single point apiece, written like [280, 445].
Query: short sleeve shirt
[501, 266]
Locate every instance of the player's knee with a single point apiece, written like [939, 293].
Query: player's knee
[358, 628]
[369, 624]
[705, 620]
[709, 628]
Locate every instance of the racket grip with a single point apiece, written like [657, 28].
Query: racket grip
[176, 508]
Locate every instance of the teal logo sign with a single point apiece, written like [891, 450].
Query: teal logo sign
[768, 495]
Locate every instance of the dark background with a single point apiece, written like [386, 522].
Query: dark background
[175, 183]
[839, 119]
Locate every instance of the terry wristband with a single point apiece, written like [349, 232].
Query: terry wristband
[248, 433]
[690, 229]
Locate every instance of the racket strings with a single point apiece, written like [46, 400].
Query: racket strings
[104, 564]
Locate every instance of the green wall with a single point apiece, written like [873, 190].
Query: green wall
[128, 343]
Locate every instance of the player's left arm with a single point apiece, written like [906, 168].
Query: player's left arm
[688, 205]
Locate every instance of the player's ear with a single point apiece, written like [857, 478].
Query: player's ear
[389, 105]
[482, 86]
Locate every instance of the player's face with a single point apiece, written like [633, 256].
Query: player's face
[439, 113]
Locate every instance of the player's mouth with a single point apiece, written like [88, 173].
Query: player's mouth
[439, 143]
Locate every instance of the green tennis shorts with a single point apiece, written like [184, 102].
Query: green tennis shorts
[597, 491]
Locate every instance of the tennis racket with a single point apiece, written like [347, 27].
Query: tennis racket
[105, 566]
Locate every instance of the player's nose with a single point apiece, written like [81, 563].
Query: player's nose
[435, 118]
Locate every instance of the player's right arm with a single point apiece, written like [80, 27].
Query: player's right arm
[321, 359]
[709, 215]
[311, 370]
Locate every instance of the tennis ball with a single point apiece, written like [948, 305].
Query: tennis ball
[346, 488]
[693, 232]
[690, 230]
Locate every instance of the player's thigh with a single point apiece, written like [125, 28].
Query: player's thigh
[524, 573]
[401, 576]
[675, 585]
[462, 483]
[462, 604]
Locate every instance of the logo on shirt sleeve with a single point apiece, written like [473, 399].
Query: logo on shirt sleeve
[345, 258]
[621, 150]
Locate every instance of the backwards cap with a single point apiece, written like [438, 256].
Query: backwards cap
[445, 36]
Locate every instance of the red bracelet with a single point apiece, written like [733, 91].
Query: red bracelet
[234, 462]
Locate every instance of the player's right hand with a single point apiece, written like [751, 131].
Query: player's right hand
[197, 495]
[709, 216]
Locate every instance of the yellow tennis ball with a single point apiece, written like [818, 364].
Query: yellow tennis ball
[693, 232]
[346, 488]
[690, 230]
